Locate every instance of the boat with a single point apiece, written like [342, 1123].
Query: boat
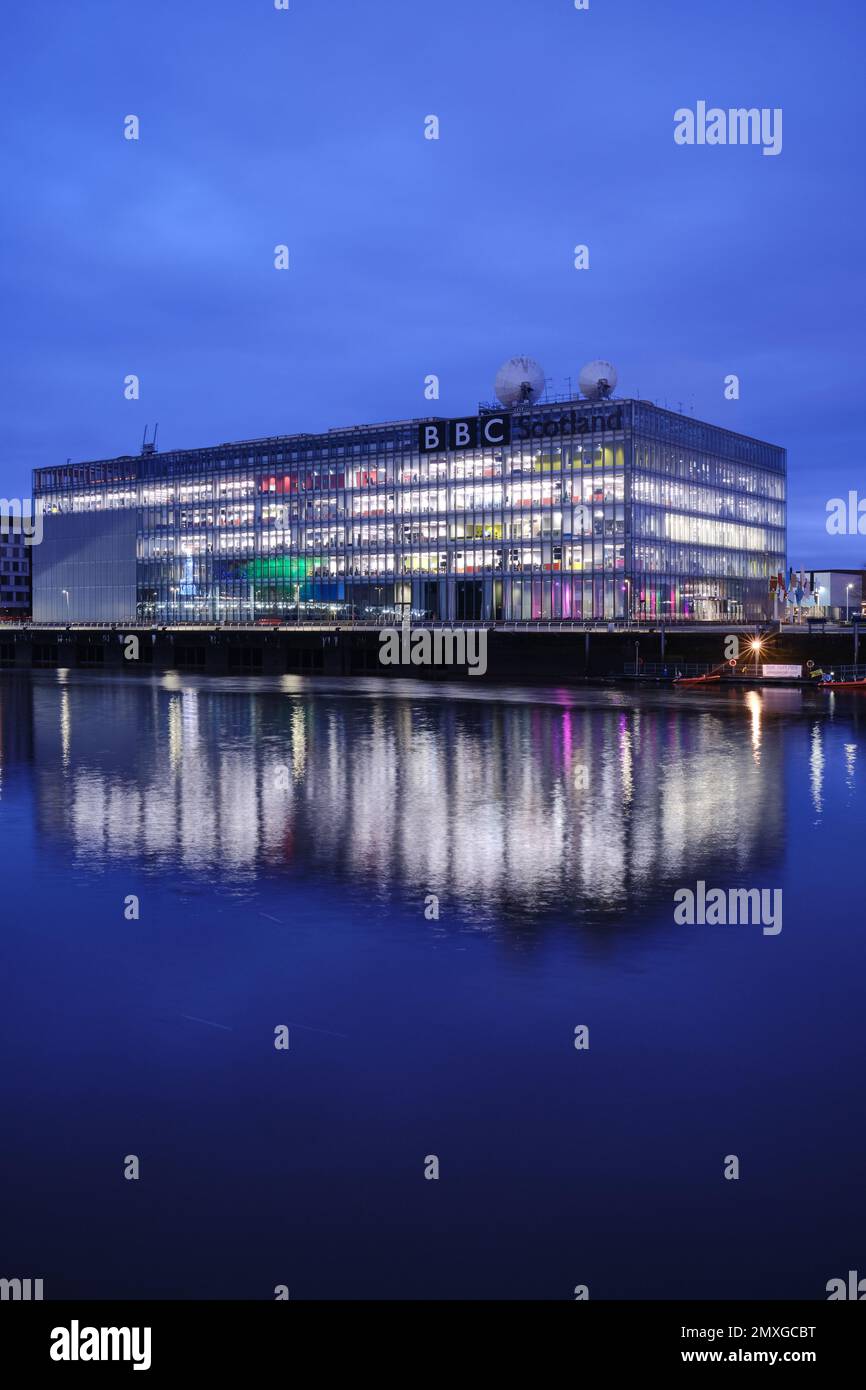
[844, 685]
[695, 680]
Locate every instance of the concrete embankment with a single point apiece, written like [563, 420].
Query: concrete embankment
[526, 654]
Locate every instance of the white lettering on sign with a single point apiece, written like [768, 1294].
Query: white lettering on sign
[485, 431]
[494, 430]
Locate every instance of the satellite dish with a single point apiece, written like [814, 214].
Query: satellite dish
[597, 380]
[520, 381]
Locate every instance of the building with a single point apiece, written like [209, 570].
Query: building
[560, 510]
[15, 556]
[836, 594]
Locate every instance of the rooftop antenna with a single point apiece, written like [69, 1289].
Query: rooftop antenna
[519, 382]
[597, 380]
[149, 447]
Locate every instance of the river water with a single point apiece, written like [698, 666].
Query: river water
[428, 888]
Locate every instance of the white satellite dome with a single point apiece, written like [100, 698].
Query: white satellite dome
[597, 380]
[520, 381]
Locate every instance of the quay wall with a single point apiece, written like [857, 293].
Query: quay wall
[571, 655]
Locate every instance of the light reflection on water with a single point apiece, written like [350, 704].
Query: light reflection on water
[576, 802]
[282, 837]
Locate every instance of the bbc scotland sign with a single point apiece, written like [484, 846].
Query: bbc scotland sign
[570, 422]
[488, 431]
[476, 432]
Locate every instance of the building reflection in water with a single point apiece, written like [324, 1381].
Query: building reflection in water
[816, 763]
[589, 807]
[850, 765]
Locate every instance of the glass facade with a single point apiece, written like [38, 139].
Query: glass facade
[14, 576]
[590, 511]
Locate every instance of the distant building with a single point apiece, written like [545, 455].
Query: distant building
[14, 576]
[838, 593]
[566, 511]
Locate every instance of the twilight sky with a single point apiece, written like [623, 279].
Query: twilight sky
[411, 256]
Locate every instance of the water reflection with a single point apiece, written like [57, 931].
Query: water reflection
[754, 704]
[582, 804]
[816, 764]
[283, 837]
[850, 765]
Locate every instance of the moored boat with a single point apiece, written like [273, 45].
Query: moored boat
[695, 680]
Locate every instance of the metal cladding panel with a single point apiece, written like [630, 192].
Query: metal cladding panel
[84, 570]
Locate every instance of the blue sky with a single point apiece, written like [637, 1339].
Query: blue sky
[411, 256]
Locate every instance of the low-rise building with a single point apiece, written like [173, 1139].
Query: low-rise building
[15, 590]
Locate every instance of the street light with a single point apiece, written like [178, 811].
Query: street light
[65, 593]
[848, 588]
